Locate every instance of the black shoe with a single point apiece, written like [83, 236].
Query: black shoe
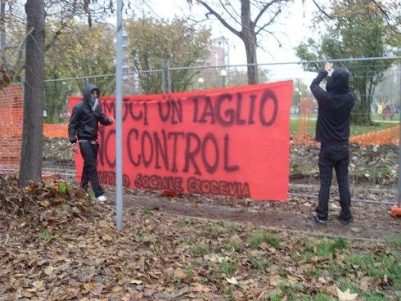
[344, 221]
[319, 220]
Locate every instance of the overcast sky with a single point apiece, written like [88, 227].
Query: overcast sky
[291, 28]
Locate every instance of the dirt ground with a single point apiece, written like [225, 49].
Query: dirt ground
[373, 179]
[371, 209]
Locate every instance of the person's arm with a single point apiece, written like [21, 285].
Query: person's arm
[103, 119]
[320, 94]
[73, 125]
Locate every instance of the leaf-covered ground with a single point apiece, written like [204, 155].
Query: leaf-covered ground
[56, 244]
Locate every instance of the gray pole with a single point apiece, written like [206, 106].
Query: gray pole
[166, 77]
[119, 156]
[399, 141]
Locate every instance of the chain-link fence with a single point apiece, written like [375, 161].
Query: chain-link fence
[375, 119]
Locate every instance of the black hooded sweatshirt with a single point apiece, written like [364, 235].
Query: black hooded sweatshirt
[84, 119]
[335, 105]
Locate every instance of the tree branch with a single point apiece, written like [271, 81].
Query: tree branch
[384, 12]
[17, 68]
[229, 13]
[269, 23]
[62, 26]
[220, 18]
[322, 10]
[263, 10]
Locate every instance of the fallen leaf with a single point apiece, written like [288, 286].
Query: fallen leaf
[232, 280]
[346, 295]
[49, 270]
[198, 287]
[136, 281]
[45, 203]
[179, 274]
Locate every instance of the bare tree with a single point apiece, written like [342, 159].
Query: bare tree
[31, 156]
[36, 12]
[228, 16]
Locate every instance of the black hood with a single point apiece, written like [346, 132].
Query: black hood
[338, 82]
[87, 91]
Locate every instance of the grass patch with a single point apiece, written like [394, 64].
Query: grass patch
[65, 207]
[235, 243]
[200, 249]
[64, 188]
[327, 248]
[147, 213]
[259, 263]
[138, 238]
[318, 297]
[227, 267]
[213, 229]
[182, 223]
[355, 129]
[259, 237]
[223, 267]
[189, 270]
[231, 226]
[362, 261]
[45, 235]
[363, 129]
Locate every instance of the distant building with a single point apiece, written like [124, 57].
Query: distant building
[219, 54]
[130, 77]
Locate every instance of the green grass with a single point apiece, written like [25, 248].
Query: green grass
[363, 129]
[259, 263]
[45, 235]
[200, 249]
[318, 297]
[147, 213]
[227, 267]
[214, 229]
[64, 188]
[327, 247]
[355, 129]
[235, 243]
[138, 238]
[259, 237]
[342, 263]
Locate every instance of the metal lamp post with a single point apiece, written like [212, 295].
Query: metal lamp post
[223, 74]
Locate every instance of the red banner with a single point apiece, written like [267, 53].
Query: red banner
[232, 142]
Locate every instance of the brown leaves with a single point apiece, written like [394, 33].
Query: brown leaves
[68, 248]
[44, 204]
[369, 163]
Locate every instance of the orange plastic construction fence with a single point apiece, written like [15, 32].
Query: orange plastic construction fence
[11, 117]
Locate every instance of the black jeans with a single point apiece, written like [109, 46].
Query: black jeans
[89, 173]
[337, 156]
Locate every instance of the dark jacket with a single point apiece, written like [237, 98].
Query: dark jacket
[335, 105]
[84, 120]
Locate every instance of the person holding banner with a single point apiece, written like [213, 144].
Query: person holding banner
[335, 103]
[83, 128]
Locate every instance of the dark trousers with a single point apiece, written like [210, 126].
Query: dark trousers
[337, 156]
[89, 173]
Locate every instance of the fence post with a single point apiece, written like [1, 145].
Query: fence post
[399, 141]
[166, 77]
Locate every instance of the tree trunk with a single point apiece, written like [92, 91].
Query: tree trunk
[248, 36]
[251, 59]
[3, 33]
[32, 134]
[361, 112]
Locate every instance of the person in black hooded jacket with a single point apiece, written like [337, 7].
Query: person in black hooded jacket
[332, 131]
[83, 127]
